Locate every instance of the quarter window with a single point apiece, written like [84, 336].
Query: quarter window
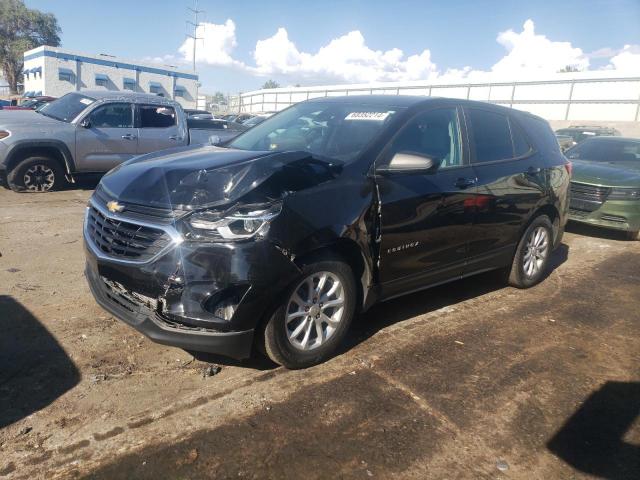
[157, 117]
[434, 134]
[520, 145]
[113, 115]
[491, 136]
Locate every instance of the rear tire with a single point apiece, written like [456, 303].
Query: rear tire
[314, 317]
[36, 174]
[532, 255]
[633, 235]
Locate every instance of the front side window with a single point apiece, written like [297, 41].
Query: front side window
[68, 107]
[491, 135]
[339, 131]
[113, 115]
[434, 134]
[154, 116]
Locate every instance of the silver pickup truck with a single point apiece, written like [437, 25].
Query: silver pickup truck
[92, 132]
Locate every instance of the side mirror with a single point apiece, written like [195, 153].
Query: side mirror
[215, 140]
[409, 162]
[86, 123]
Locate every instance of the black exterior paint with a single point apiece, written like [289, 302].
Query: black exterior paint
[400, 232]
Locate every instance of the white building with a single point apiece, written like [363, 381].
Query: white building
[55, 71]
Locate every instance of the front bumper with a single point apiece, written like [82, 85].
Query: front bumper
[174, 298]
[613, 214]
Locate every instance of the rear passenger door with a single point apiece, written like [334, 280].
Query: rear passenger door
[511, 181]
[158, 128]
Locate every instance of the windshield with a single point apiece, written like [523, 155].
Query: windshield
[68, 107]
[605, 150]
[338, 131]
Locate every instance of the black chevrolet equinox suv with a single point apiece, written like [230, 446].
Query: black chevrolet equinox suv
[279, 238]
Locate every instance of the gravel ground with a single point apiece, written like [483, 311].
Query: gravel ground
[467, 380]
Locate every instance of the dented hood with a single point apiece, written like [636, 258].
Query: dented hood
[201, 177]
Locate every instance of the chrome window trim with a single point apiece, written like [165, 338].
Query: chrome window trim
[175, 236]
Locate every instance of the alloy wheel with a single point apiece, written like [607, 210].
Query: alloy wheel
[536, 252]
[39, 178]
[314, 310]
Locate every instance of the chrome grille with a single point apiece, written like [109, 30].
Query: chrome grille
[586, 197]
[123, 239]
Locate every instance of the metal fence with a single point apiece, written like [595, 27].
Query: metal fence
[597, 98]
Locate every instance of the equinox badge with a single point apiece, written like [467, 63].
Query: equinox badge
[114, 207]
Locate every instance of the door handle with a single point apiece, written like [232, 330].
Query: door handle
[129, 136]
[175, 138]
[463, 183]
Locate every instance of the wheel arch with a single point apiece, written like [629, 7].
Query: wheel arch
[550, 211]
[348, 251]
[55, 150]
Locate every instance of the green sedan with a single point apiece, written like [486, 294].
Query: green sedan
[605, 187]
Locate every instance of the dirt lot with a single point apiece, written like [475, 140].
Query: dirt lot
[467, 380]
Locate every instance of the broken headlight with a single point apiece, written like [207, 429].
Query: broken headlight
[241, 224]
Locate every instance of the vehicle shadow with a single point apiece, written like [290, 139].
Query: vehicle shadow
[429, 300]
[598, 232]
[591, 440]
[34, 369]
[88, 182]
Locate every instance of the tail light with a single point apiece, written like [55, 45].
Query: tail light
[569, 167]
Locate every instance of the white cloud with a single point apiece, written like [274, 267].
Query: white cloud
[349, 59]
[214, 46]
[627, 59]
[529, 52]
[346, 58]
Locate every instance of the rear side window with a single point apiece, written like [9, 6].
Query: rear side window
[153, 116]
[491, 135]
[520, 145]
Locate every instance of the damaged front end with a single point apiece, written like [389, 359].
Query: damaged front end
[197, 261]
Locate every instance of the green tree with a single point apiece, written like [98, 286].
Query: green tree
[569, 69]
[22, 29]
[219, 98]
[270, 84]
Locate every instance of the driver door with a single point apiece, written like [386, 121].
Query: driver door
[426, 216]
[106, 137]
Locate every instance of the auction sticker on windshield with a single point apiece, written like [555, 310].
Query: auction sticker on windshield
[375, 116]
[86, 101]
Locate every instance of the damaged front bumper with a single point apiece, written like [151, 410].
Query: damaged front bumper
[198, 296]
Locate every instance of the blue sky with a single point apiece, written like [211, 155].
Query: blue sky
[443, 37]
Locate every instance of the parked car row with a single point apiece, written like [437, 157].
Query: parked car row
[31, 103]
[93, 132]
[274, 233]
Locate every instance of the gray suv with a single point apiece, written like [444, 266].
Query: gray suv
[89, 133]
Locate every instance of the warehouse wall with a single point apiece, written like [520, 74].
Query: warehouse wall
[602, 96]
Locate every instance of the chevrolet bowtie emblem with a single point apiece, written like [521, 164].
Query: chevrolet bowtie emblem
[114, 206]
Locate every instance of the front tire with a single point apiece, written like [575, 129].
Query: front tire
[532, 256]
[313, 320]
[36, 174]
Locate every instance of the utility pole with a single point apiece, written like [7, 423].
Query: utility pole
[195, 24]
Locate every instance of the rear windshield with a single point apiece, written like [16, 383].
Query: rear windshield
[605, 150]
[68, 107]
[338, 131]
